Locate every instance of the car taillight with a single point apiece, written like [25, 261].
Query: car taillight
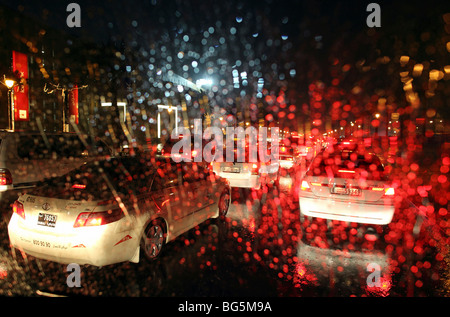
[5, 177]
[388, 191]
[90, 219]
[305, 186]
[18, 209]
[79, 186]
[255, 169]
[346, 171]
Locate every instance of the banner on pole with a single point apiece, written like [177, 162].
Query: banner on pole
[73, 104]
[21, 92]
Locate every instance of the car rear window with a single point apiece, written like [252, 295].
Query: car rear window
[347, 164]
[50, 147]
[246, 155]
[284, 150]
[101, 180]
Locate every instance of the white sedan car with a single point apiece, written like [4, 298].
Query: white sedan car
[110, 211]
[347, 185]
[247, 174]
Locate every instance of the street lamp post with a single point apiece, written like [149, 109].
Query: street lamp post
[169, 109]
[65, 94]
[10, 84]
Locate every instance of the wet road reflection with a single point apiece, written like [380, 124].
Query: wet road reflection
[260, 249]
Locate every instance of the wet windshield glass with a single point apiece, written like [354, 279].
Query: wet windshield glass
[341, 109]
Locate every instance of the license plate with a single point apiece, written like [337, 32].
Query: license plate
[231, 169]
[346, 191]
[42, 243]
[47, 220]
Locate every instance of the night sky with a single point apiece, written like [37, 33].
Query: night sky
[106, 18]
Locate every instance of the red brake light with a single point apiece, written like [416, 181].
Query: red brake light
[305, 186]
[370, 237]
[346, 171]
[255, 169]
[389, 191]
[5, 177]
[79, 186]
[18, 209]
[90, 219]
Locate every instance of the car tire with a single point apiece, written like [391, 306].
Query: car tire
[224, 203]
[304, 218]
[153, 239]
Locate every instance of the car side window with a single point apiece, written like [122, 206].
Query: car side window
[166, 176]
[188, 174]
[193, 172]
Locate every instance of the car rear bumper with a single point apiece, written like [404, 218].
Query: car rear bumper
[351, 211]
[98, 246]
[287, 164]
[242, 180]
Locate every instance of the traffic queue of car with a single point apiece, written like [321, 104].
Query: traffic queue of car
[123, 208]
[106, 209]
[111, 211]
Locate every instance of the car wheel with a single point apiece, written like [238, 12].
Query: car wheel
[224, 203]
[276, 182]
[304, 218]
[153, 239]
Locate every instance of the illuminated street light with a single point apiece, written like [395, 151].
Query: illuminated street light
[169, 110]
[10, 84]
[204, 82]
[119, 104]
